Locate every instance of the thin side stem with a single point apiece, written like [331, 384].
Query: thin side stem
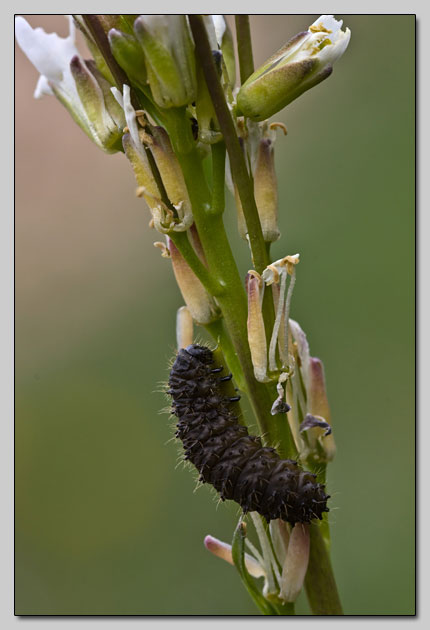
[96, 29]
[237, 160]
[244, 47]
[320, 584]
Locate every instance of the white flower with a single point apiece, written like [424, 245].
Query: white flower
[50, 55]
[306, 60]
[324, 40]
[124, 100]
[215, 27]
[169, 58]
[65, 74]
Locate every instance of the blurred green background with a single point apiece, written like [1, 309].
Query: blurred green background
[106, 522]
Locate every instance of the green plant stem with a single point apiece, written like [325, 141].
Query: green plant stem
[237, 161]
[221, 264]
[286, 609]
[320, 584]
[244, 46]
[218, 178]
[220, 335]
[232, 297]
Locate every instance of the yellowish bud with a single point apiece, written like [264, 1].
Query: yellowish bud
[318, 404]
[296, 563]
[200, 304]
[265, 190]
[173, 179]
[223, 550]
[142, 171]
[184, 328]
[256, 331]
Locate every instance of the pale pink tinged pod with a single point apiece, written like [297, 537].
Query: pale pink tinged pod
[223, 550]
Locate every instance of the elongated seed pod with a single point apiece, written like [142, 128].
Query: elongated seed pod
[226, 456]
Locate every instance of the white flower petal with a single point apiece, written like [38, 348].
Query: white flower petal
[130, 117]
[329, 54]
[49, 53]
[42, 87]
[330, 23]
[118, 96]
[220, 26]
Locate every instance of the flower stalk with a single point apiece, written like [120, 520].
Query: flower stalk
[244, 46]
[161, 89]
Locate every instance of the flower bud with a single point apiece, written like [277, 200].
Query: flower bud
[303, 62]
[223, 550]
[256, 331]
[169, 58]
[148, 188]
[317, 420]
[280, 538]
[173, 179]
[296, 563]
[241, 223]
[265, 190]
[209, 129]
[129, 55]
[103, 113]
[121, 23]
[318, 404]
[165, 220]
[200, 304]
[257, 141]
[65, 75]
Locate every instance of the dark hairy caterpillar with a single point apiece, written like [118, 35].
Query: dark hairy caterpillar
[226, 456]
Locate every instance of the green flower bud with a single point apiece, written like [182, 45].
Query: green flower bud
[169, 58]
[209, 129]
[104, 127]
[77, 84]
[94, 49]
[129, 55]
[303, 62]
